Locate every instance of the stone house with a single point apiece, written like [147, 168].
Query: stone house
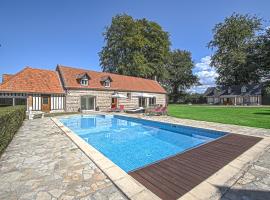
[72, 89]
[235, 95]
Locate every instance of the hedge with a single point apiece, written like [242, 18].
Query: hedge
[11, 118]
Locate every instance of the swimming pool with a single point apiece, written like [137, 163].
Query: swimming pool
[132, 143]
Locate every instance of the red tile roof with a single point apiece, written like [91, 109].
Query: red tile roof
[31, 80]
[119, 82]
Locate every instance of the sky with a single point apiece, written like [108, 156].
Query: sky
[42, 34]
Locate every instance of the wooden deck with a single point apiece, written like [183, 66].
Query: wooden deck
[173, 177]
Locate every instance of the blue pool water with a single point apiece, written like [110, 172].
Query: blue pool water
[132, 143]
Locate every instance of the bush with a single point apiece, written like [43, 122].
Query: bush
[11, 118]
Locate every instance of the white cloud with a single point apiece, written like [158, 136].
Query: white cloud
[206, 75]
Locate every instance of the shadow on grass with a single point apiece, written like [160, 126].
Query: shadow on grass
[266, 112]
[244, 194]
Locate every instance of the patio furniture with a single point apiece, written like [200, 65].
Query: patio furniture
[116, 109]
[121, 108]
[164, 110]
[136, 110]
[158, 111]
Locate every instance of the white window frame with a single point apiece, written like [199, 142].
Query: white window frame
[152, 101]
[129, 95]
[243, 89]
[107, 83]
[84, 82]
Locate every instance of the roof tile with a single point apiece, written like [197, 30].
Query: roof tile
[119, 82]
[33, 81]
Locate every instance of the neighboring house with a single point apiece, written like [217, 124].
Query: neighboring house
[72, 89]
[235, 95]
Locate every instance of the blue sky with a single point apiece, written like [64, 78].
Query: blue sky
[43, 34]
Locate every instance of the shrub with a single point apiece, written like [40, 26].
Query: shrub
[11, 118]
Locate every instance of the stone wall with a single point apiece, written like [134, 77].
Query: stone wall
[103, 99]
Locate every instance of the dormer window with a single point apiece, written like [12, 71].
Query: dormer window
[83, 79]
[229, 90]
[107, 83]
[244, 89]
[84, 82]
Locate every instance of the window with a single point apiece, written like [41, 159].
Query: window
[229, 90]
[129, 95]
[6, 102]
[114, 100]
[45, 100]
[107, 83]
[88, 103]
[152, 101]
[243, 89]
[84, 82]
[20, 101]
[142, 102]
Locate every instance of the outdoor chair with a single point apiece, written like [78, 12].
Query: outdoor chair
[136, 110]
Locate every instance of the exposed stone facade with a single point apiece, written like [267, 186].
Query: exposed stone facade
[103, 99]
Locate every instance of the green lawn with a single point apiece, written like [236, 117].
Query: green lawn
[245, 116]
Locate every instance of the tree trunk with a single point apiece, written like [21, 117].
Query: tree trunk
[175, 94]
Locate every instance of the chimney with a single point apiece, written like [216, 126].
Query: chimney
[6, 77]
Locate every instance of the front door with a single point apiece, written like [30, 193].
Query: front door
[46, 103]
[114, 103]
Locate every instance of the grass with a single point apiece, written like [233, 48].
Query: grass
[245, 116]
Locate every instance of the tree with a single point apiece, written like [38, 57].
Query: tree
[233, 44]
[261, 55]
[180, 76]
[135, 47]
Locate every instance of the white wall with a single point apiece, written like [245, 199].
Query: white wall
[36, 102]
[57, 102]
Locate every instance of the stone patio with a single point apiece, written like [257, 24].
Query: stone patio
[42, 163]
[254, 183]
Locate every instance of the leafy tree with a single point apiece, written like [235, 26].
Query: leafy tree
[180, 75]
[233, 42]
[135, 47]
[261, 55]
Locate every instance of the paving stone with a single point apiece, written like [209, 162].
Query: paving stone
[43, 163]
[43, 196]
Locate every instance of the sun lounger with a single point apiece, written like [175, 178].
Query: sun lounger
[158, 111]
[136, 110]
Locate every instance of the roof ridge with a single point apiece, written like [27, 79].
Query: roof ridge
[108, 73]
[28, 67]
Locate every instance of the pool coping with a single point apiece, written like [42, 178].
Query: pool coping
[226, 176]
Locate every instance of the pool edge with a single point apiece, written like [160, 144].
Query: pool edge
[130, 187]
[228, 175]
